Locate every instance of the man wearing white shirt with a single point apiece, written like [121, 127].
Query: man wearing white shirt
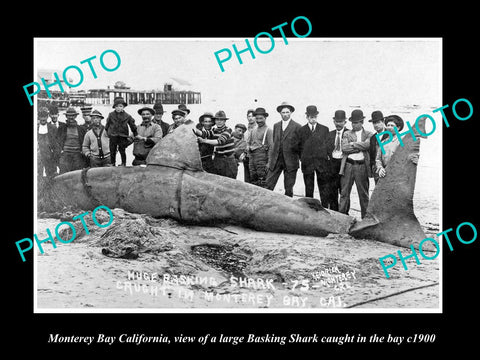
[284, 156]
[251, 125]
[47, 150]
[334, 150]
[355, 166]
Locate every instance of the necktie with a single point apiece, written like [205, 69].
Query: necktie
[337, 142]
[313, 128]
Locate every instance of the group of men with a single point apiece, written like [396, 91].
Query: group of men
[337, 158]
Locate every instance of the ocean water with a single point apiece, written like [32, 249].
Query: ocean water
[427, 198]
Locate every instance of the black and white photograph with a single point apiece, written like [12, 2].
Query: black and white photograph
[185, 178]
[222, 186]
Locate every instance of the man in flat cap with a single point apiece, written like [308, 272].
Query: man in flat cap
[285, 153]
[148, 134]
[96, 144]
[178, 117]
[86, 115]
[355, 167]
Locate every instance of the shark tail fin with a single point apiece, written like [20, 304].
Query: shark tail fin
[390, 217]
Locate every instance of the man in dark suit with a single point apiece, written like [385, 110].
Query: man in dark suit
[313, 155]
[335, 154]
[284, 156]
[47, 148]
[378, 121]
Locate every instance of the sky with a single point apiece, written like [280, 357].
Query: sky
[324, 71]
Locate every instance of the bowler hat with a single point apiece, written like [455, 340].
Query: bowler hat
[158, 107]
[119, 100]
[178, 112]
[146, 108]
[220, 115]
[377, 116]
[96, 113]
[206, 114]
[340, 115]
[71, 111]
[183, 107]
[285, 104]
[357, 115]
[311, 110]
[260, 111]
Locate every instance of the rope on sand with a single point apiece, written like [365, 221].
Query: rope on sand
[394, 294]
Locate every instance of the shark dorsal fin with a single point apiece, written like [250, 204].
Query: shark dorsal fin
[178, 149]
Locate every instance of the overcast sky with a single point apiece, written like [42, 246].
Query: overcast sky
[315, 70]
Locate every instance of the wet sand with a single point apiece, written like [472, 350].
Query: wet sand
[298, 273]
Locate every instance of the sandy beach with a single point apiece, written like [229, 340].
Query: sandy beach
[298, 273]
[177, 267]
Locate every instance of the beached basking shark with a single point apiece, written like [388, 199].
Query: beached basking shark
[174, 185]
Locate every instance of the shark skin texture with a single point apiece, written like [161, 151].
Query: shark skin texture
[174, 185]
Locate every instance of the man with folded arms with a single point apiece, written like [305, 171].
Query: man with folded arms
[355, 166]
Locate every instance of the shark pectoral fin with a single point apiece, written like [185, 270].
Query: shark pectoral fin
[366, 223]
[313, 204]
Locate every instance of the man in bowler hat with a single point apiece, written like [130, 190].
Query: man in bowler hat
[157, 118]
[335, 154]
[355, 166]
[313, 154]
[378, 122]
[285, 153]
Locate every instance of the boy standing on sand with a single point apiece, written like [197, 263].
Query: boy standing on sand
[116, 126]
